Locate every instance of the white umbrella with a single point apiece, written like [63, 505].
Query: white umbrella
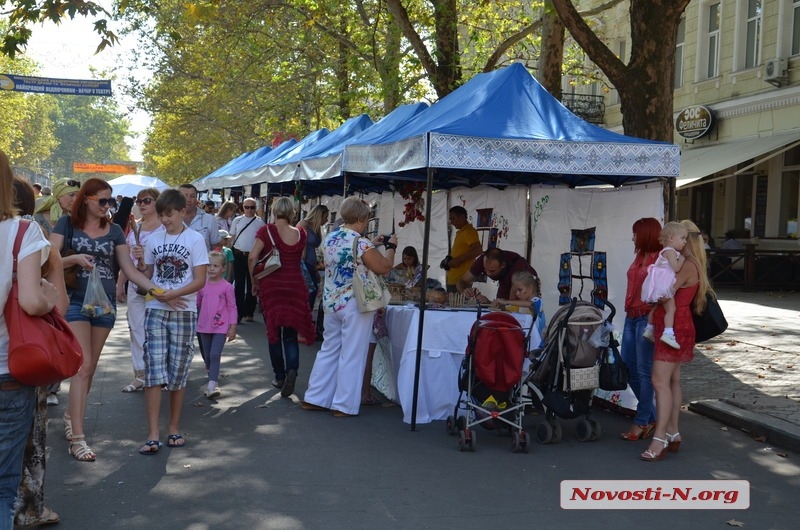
[131, 185]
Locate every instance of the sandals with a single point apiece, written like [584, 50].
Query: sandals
[370, 400]
[639, 432]
[175, 440]
[79, 450]
[673, 444]
[652, 456]
[67, 427]
[138, 384]
[150, 447]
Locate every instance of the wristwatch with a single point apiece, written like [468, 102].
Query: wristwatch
[390, 246]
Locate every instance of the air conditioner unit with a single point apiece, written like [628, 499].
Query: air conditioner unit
[776, 71]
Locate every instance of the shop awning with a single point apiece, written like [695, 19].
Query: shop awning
[705, 161]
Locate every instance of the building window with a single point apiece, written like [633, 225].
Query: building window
[622, 57]
[796, 27]
[679, 45]
[712, 40]
[752, 48]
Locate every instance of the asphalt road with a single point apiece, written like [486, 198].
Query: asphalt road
[256, 461]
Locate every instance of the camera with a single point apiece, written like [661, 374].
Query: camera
[445, 264]
[385, 239]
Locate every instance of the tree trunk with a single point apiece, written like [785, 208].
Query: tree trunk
[448, 65]
[551, 53]
[645, 85]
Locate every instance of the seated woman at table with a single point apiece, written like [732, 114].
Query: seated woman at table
[337, 376]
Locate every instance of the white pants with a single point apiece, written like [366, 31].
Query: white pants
[135, 312]
[338, 373]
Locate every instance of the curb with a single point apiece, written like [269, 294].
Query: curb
[778, 432]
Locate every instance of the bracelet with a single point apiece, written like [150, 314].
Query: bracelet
[390, 246]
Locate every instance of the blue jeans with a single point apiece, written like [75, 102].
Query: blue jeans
[637, 353]
[286, 346]
[16, 414]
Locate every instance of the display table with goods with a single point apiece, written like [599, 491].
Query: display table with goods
[444, 342]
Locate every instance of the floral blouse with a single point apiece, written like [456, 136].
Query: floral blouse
[339, 267]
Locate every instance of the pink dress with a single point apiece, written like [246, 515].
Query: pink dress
[660, 281]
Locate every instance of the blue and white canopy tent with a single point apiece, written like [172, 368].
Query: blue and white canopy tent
[504, 128]
[238, 171]
[321, 168]
[318, 161]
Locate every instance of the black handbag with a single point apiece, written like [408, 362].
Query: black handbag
[711, 323]
[613, 371]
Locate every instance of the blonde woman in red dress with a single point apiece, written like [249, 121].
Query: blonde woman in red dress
[690, 296]
[283, 295]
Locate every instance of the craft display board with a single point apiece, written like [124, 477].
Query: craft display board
[555, 211]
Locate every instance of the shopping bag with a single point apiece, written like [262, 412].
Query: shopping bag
[95, 301]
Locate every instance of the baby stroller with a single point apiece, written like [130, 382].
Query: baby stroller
[565, 372]
[490, 381]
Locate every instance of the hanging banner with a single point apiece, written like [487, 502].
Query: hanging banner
[117, 169]
[50, 85]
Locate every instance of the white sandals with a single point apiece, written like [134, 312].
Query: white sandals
[80, 451]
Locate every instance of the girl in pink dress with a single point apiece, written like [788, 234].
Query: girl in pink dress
[659, 286]
[216, 318]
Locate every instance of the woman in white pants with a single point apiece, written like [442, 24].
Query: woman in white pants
[148, 225]
[336, 378]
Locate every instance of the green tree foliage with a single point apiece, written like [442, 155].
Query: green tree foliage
[89, 129]
[22, 14]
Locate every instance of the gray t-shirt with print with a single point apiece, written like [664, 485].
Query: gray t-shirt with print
[103, 251]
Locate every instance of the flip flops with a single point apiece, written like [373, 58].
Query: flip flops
[371, 400]
[150, 447]
[175, 440]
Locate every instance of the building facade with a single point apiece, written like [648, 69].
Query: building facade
[737, 105]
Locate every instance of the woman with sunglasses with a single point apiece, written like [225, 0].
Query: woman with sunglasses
[140, 232]
[98, 243]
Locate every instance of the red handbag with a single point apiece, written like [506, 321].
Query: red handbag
[42, 350]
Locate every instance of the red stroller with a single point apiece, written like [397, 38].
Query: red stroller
[490, 381]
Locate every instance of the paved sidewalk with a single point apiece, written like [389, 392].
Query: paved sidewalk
[749, 377]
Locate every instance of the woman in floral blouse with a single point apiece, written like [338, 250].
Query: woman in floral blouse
[336, 378]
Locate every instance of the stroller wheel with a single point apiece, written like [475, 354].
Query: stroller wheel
[450, 425]
[462, 440]
[516, 443]
[544, 433]
[584, 430]
[526, 447]
[461, 423]
[473, 443]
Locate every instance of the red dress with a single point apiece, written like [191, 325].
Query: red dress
[283, 294]
[684, 328]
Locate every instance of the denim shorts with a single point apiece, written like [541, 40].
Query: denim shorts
[104, 321]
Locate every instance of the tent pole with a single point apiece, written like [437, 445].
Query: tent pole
[528, 234]
[422, 293]
[671, 206]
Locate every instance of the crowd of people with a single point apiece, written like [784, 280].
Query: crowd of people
[187, 273]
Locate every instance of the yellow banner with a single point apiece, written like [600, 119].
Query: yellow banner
[121, 169]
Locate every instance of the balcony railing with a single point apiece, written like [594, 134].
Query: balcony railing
[590, 108]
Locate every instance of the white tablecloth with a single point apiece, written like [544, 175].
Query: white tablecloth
[444, 342]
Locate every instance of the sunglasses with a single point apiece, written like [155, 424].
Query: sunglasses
[146, 200]
[249, 207]
[73, 183]
[104, 202]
